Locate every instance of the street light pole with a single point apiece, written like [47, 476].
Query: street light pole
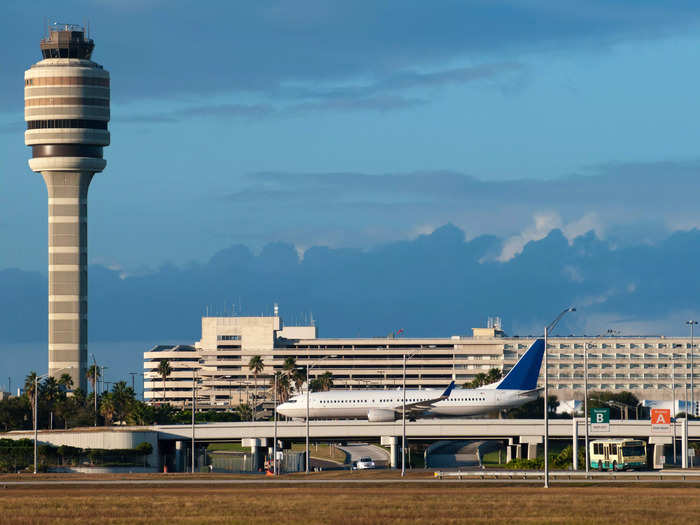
[546, 412]
[585, 401]
[547, 330]
[36, 433]
[692, 324]
[403, 422]
[94, 385]
[194, 406]
[308, 395]
[673, 406]
[274, 443]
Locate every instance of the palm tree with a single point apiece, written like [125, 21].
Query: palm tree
[107, 408]
[30, 384]
[256, 366]
[92, 374]
[290, 365]
[325, 381]
[479, 380]
[66, 381]
[298, 377]
[283, 386]
[164, 371]
[495, 374]
[244, 411]
[123, 397]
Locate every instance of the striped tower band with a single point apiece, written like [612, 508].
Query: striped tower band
[67, 111]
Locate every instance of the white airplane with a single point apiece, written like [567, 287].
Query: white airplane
[518, 387]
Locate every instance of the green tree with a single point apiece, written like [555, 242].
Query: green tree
[298, 377]
[283, 386]
[164, 370]
[66, 382]
[93, 374]
[290, 365]
[256, 366]
[141, 414]
[30, 390]
[533, 409]
[325, 381]
[123, 397]
[494, 375]
[107, 407]
[245, 412]
[482, 379]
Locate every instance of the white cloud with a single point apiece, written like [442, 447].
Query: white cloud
[544, 223]
[589, 222]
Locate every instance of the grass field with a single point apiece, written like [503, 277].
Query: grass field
[352, 504]
[322, 451]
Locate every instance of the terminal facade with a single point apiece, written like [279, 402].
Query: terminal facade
[218, 363]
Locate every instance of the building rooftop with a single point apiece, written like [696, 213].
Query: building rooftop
[67, 41]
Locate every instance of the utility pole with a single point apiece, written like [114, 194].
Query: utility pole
[673, 409]
[194, 407]
[403, 422]
[547, 330]
[274, 443]
[692, 324]
[585, 401]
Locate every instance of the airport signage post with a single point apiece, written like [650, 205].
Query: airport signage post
[600, 419]
[660, 420]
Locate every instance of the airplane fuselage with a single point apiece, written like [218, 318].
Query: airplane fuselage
[385, 405]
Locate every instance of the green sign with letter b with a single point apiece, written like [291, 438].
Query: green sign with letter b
[600, 415]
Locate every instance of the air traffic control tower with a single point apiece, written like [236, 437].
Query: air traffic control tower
[66, 106]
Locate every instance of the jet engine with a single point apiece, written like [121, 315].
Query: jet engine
[379, 414]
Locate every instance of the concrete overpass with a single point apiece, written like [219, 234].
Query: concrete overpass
[522, 435]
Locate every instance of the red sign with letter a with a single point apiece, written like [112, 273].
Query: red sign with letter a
[660, 420]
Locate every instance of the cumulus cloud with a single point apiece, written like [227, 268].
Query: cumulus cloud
[543, 224]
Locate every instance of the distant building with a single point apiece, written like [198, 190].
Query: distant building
[641, 365]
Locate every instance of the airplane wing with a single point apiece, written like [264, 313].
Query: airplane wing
[418, 407]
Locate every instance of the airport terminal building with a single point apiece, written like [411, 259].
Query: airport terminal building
[218, 362]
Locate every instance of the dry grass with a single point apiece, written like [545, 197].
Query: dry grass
[352, 504]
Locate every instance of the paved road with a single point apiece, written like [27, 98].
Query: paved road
[449, 454]
[363, 450]
[260, 480]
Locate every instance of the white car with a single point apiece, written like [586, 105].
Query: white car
[365, 463]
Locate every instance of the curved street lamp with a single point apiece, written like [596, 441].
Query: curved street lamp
[548, 329]
[309, 367]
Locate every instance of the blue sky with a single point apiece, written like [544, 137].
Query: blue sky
[354, 127]
[210, 100]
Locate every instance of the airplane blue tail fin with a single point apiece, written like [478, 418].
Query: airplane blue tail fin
[523, 376]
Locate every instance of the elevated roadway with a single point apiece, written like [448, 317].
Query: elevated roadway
[421, 429]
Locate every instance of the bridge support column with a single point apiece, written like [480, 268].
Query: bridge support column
[179, 460]
[658, 443]
[574, 443]
[258, 447]
[513, 450]
[393, 442]
[684, 443]
[531, 442]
